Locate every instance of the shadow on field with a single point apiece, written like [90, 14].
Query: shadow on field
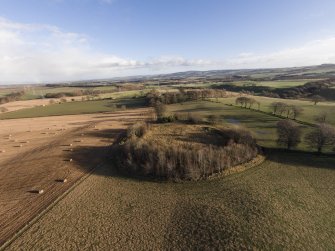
[87, 158]
[300, 158]
[221, 225]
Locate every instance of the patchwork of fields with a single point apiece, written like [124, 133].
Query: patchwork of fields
[287, 202]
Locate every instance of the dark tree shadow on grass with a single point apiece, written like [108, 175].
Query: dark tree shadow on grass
[221, 225]
[300, 158]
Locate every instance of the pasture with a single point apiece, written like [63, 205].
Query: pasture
[309, 109]
[273, 84]
[72, 108]
[263, 126]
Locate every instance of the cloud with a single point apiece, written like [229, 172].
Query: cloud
[40, 53]
[312, 53]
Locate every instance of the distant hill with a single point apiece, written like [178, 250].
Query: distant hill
[323, 71]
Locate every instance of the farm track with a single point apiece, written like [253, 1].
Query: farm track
[42, 165]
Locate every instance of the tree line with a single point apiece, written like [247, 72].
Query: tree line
[182, 95]
[283, 109]
[247, 102]
[14, 96]
[290, 135]
[278, 108]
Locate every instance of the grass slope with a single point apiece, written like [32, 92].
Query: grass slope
[285, 203]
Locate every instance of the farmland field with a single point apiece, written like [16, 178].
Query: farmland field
[262, 125]
[36, 153]
[274, 84]
[309, 112]
[71, 108]
[285, 203]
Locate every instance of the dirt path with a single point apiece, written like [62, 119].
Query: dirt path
[35, 154]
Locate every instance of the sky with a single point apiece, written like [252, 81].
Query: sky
[66, 40]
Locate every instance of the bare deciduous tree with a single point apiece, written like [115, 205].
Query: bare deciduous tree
[316, 99]
[323, 135]
[296, 111]
[321, 118]
[278, 107]
[159, 109]
[289, 133]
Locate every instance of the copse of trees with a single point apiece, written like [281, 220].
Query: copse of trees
[281, 109]
[182, 95]
[323, 88]
[76, 93]
[278, 108]
[323, 135]
[289, 133]
[138, 155]
[14, 96]
[247, 102]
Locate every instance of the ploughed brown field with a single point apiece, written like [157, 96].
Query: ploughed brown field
[38, 154]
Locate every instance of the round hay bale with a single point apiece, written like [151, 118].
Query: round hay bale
[70, 160]
[64, 180]
[40, 191]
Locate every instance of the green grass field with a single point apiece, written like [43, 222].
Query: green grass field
[286, 203]
[72, 108]
[34, 92]
[274, 84]
[309, 113]
[262, 125]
